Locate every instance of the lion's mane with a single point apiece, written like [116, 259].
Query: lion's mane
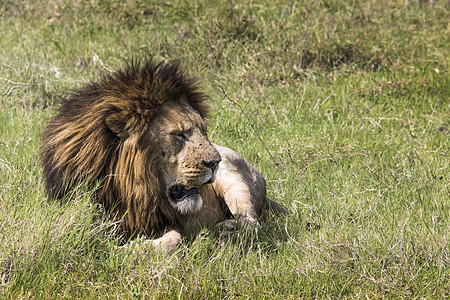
[79, 147]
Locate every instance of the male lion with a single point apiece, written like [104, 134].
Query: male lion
[140, 133]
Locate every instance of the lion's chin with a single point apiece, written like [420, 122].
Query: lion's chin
[185, 199]
[189, 204]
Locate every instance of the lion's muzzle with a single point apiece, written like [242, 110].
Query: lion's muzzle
[212, 164]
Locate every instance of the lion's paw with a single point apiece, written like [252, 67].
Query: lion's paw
[248, 224]
[167, 243]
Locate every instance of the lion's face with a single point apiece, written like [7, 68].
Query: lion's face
[188, 159]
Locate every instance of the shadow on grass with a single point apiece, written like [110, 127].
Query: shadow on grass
[273, 233]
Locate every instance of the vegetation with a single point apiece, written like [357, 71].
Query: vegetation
[349, 98]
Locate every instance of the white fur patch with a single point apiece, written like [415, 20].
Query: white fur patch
[191, 204]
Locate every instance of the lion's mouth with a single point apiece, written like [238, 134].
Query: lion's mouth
[180, 192]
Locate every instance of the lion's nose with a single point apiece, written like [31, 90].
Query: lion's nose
[212, 164]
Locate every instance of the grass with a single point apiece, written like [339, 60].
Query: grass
[351, 99]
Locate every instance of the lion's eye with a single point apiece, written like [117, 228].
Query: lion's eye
[182, 137]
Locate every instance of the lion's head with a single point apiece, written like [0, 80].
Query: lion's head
[187, 158]
[140, 133]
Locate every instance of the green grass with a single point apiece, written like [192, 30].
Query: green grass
[351, 99]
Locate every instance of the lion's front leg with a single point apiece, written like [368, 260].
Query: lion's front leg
[168, 242]
[238, 198]
[242, 187]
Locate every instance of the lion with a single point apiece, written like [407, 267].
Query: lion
[139, 136]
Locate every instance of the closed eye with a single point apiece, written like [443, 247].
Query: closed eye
[182, 137]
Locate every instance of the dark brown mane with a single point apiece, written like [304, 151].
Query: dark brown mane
[95, 138]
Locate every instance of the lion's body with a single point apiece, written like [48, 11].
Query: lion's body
[140, 134]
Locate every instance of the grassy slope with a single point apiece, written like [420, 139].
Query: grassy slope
[350, 98]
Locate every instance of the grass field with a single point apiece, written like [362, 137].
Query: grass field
[351, 99]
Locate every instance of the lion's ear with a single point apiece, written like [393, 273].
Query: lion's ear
[117, 123]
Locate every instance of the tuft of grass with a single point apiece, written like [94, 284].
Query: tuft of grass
[349, 99]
